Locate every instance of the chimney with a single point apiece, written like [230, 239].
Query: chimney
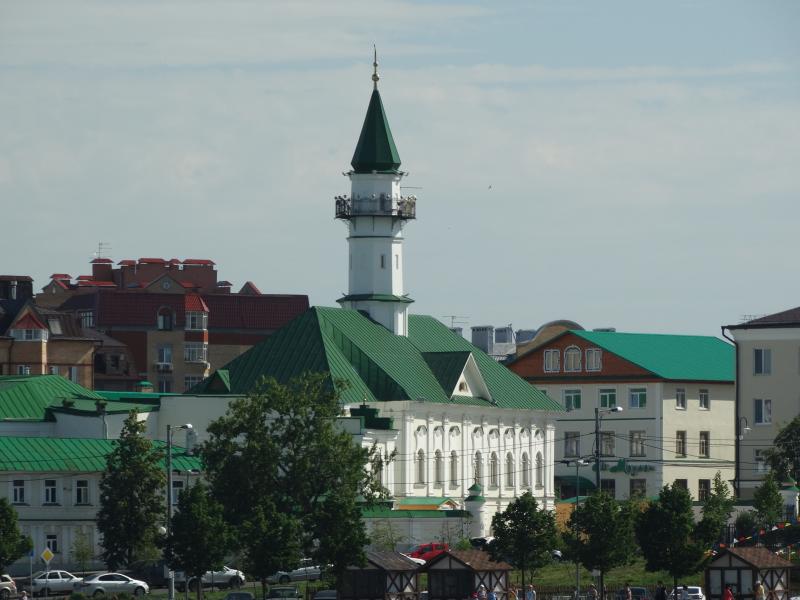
[13, 290]
[503, 335]
[459, 331]
[102, 269]
[483, 338]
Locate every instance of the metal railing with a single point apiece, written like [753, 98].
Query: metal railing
[401, 207]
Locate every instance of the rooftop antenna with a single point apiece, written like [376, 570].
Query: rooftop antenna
[456, 320]
[375, 76]
[103, 248]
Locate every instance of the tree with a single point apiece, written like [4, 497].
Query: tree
[288, 478]
[199, 539]
[768, 502]
[524, 535]
[605, 533]
[385, 537]
[745, 523]
[82, 551]
[668, 536]
[784, 456]
[131, 496]
[717, 508]
[13, 544]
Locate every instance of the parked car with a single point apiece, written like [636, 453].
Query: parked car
[428, 551]
[695, 592]
[224, 578]
[7, 587]
[53, 582]
[284, 591]
[238, 596]
[325, 595]
[481, 543]
[307, 571]
[111, 583]
[154, 572]
[638, 593]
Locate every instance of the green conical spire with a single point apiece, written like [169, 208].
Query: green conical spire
[375, 150]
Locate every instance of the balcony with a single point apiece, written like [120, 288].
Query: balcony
[400, 207]
[164, 367]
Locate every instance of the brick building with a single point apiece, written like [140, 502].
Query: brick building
[167, 321]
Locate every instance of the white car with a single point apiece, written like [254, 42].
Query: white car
[111, 583]
[53, 582]
[695, 593]
[307, 571]
[224, 578]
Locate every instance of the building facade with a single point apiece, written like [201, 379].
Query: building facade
[676, 396]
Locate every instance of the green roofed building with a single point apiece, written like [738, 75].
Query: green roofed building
[677, 400]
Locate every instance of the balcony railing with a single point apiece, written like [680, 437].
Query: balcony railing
[401, 207]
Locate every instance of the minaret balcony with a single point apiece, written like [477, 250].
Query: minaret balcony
[399, 207]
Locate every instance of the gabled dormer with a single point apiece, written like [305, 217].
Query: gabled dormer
[28, 327]
[458, 374]
[166, 285]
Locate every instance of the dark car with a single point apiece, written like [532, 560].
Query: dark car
[325, 595]
[154, 572]
[238, 596]
[638, 593]
[284, 591]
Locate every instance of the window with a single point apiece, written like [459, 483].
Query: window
[680, 398]
[572, 359]
[438, 468]
[51, 541]
[704, 401]
[607, 443]
[55, 326]
[609, 486]
[29, 335]
[682, 484]
[572, 443]
[551, 360]
[50, 491]
[526, 470]
[462, 386]
[494, 470]
[23, 369]
[383, 261]
[509, 470]
[165, 385]
[164, 321]
[638, 398]
[572, 399]
[761, 461]
[196, 320]
[177, 488]
[477, 467]
[165, 354]
[762, 361]
[73, 374]
[703, 489]
[86, 318]
[82, 491]
[18, 491]
[763, 411]
[195, 352]
[705, 444]
[637, 443]
[421, 466]
[594, 359]
[608, 398]
[638, 487]
[52, 370]
[680, 443]
[454, 468]
[539, 470]
[189, 381]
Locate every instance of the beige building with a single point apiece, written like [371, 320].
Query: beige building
[767, 389]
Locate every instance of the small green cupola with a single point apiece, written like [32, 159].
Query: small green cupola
[375, 151]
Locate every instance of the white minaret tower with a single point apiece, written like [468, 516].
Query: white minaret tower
[376, 212]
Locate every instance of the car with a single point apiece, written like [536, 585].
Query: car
[695, 592]
[238, 596]
[638, 593]
[224, 578]
[428, 551]
[481, 543]
[284, 591]
[306, 571]
[48, 583]
[154, 572]
[325, 595]
[111, 583]
[7, 587]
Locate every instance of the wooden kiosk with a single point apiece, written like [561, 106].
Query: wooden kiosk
[386, 576]
[742, 567]
[455, 574]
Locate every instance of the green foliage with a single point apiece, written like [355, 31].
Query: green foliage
[462, 544]
[286, 476]
[13, 544]
[717, 510]
[605, 532]
[82, 551]
[768, 502]
[199, 539]
[668, 536]
[384, 536]
[745, 523]
[524, 535]
[131, 505]
[783, 457]
[78, 596]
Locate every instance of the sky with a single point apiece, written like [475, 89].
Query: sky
[620, 164]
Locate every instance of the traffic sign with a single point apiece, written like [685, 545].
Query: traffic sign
[47, 555]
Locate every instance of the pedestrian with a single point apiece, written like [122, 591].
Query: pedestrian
[627, 593]
[530, 593]
[24, 595]
[482, 595]
[661, 591]
[728, 593]
[758, 591]
[685, 592]
[591, 593]
[491, 595]
[512, 593]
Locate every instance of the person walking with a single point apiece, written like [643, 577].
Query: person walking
[530, 593]
[627, 592]
[661, 591]
[728, 593]
[482, 594]
[758, 591]
[491, 595]
[685, 592]
[591, 593]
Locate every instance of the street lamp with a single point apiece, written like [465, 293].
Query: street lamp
[740, 433]
[598, 416]
[579, 462]
[170, 430]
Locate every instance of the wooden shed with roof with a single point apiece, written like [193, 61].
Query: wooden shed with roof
[742, 568]
[455, 574]
[385, 576]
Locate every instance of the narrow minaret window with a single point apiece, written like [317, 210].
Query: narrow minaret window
[383, 261]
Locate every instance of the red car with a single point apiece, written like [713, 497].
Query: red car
[428, 551]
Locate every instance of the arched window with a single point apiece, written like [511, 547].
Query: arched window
[379, 470]
[494, 470]
[454, 468]
[539, 470]
[572, 359]
[526, 470]
[164, 322]
[438, 468]
[477, 468]
[509, 470]
[421, 466]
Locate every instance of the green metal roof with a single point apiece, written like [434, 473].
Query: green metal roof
[375, 298]
[447, 367]
[136, 397]
[27, 397]
[83, 455]
[375, 150]
[377, 364]
[425, 500]
[677, 357]
[90, 406]
[382, 512]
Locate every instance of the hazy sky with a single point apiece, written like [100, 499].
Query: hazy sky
[629, 164]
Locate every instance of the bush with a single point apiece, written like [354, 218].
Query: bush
[78, 596]
[745, 523]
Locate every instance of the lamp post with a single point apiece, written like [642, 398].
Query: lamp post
[598, 416]
[170, 431]
[579, 462]
[740, 433]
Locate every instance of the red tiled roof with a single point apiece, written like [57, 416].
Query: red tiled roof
[152, 261]
[760, 557]
[29, 321]
[189, 284]
[195, 303]
[61, 283]
[224, 283]
[198, 261]
[174, 261]
[60, 276]
[250, 288]
[85, 277]
[102, 261]
[84, 283]
[127, 262]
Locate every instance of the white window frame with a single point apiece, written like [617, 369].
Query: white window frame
[594, 359]
[526, 470]
[18, 492]
[51, 542]
[165, 385]
[438, 468]
[638, 393]
[766, 411]
[762, 361]
[86, 318]
[196, 320]
[539, 470]
[494, 470]
[552, 359]
[421, 467]
[164, 352]
[572, 444]
[603, 396]
[760, 461]
[637, 444]
[570, 396]
[703, 483]
[23, 369]
[454, 468]
[704, 444]
[82, 490]
[704, 399]
[680, 398]
[73, 374]
[608, 446]
[50, 492]
[195, 352]
[572, 353]
[680, 444]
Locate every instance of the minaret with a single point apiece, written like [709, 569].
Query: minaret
[376, 212]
